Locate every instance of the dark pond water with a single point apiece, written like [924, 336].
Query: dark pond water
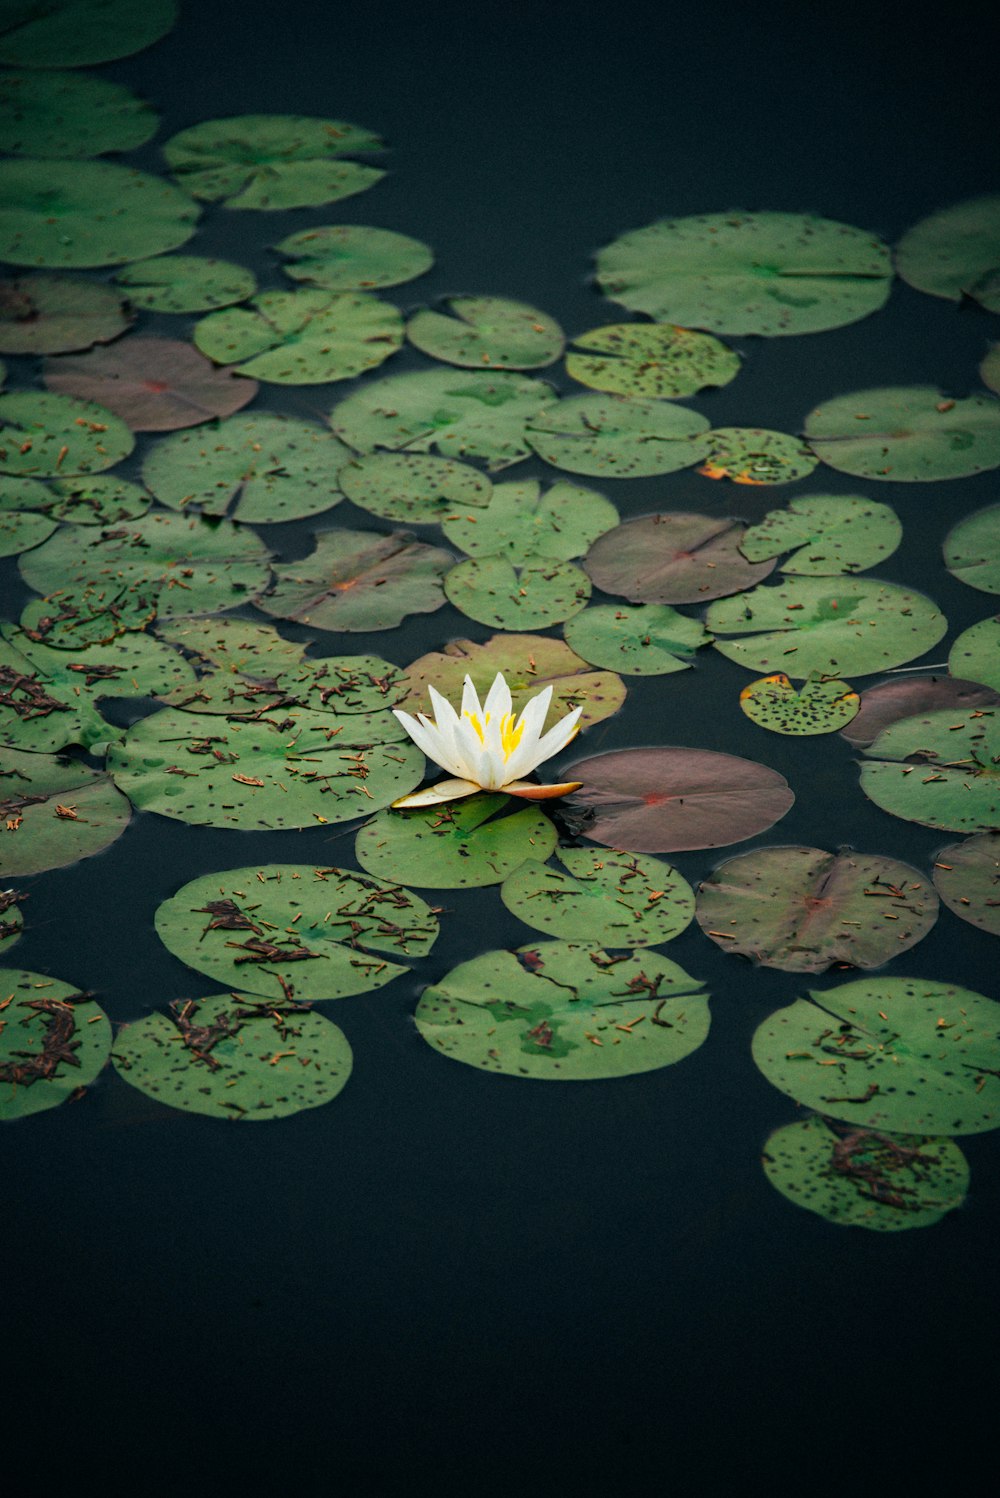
[446, 1278]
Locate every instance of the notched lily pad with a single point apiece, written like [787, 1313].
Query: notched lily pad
[614, 899]
[354, 257]
[456, 845]
[54, 812]
[827, 534]
[650, 360]
[609, 436]
[51, 436]
[908, 696]
[416, 488]
[674, 558]
[70, 115]
[484, 331]
[152, 384]
[529, 597]
[302, 337]
[357, 580]
[53, 1043]
[750, 455]
[520, 521]
[909, 434]
[972, 550]
[55, 314]
[955, 253]
[820, 706]
[185, 283]
[941, 769]
[650, 639]
[967, 876]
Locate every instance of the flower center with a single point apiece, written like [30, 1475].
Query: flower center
[511, 732]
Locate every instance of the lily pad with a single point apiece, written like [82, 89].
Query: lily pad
[827, 534]
[153, 384]
[320, 933]
[608, 436]
[749, 455]
[234, 645]
[354, 690]
[81, 213]
[674, 558]
[185, 283]
[79, 33]
[989, 369]
[769, 273]
[21, 530]
[908, 434]
[90, 613]
[976, 653]
[457, 845]
[487, 330]
[102, 500]
[955, 252]
[272, 161]
[650, 360]
[356, 580]
[415, 488]
[664, 800]
[967, 876]
[11, 918]
[909, 695]
[54, 812]
[804, 910]
[614, 899]
[520, 521]
[354, 257]
[235, 1056]
[53, 1043]
[50, 436]
[23, 494]
[560, 1011]
[460, 416]
[302, 337]
[539, 593]
[888, 1053]
[52, 314]
[864, 1178]
[941, 769]
[651, 639]
[849, 627]
[822, 705]
[70, 114]
[972, 550]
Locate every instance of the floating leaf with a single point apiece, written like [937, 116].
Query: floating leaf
[487, 330]
[153, 384]
[11, 919]
[614, 899]
[848, 627]
[413, 487]
[70, 114]
[102, 500]
[78, 33]
[21, 530]
[827, 534]
[54, 812]
[54, 1042]
[664, 800]
[90, 613]
[558, 1011]
[278, 928]
[989, 369]
[461, 416]
[302, 337]
[519, 521]
[607, 436]
[354, 257]
[822, 706]
[235, 1056]
[539, 593]
[909, 695]
[235, 645]
[657, 361]
[271, 160]
[972, 550]
[967, 876]
[910, 434]
[80, 213]
[355, 690]
[23, 494]
[356, 580]
[976, 653]
[770, 273]
[185, 283]
[54, 435]
[455, 845]
[648, 640]
[673, 558]
[749, 455]
[955, 252]
[804, 910]
[864, 1178]
[888, 1053]
[51, 314]
[941, 769]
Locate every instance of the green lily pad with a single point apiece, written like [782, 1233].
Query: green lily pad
[49, 436]
[82, 213]
[650, 639]
[559, 1011]
[70, 114]
[487, 331]
[972, 550]
[152, 384]
[459, 415]
[11, 918]
[415, 488]
[324, 932]
[21, 530]
[769, 273]
[530, 597]
[52, 314]
[519, 521]
[967, 876]
[650, 360]
[807, 625]
[185, 283]
[821, 706]
[804, 910]
[102, 500]
[827, 534]
[302, 337]
[53, 813]
[272, 161]
[357, 580]
[908, 695]
[54, 1041]
[90, 613]
[907, 434]
[864, 1178]
[609, 436]
[79, 33]
[354, 257]
[23, 494]
[256, 467]
[941, 769]
[673, 558]
[888, 1053]
[955, 252]
[976, 653]
[235, 1056]
[356, 691]
[989, 369]
[254, 774]
[749, 455]
[236, 645]
[454, 846]
[614, 899]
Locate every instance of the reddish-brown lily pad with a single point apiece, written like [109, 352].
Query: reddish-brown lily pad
[674, 559]
[908, 696]
[154, 384]
[55, 314]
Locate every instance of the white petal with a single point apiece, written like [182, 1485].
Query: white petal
[498, 703]
[469, 749]
[557, 738]
[470, 699]
[434, 795]
[444, 714]
[492, 771]
[430, 740]
[526, 756]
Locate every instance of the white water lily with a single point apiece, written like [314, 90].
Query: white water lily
[486, 747]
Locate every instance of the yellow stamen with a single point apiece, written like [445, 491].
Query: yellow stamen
[510, 734]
